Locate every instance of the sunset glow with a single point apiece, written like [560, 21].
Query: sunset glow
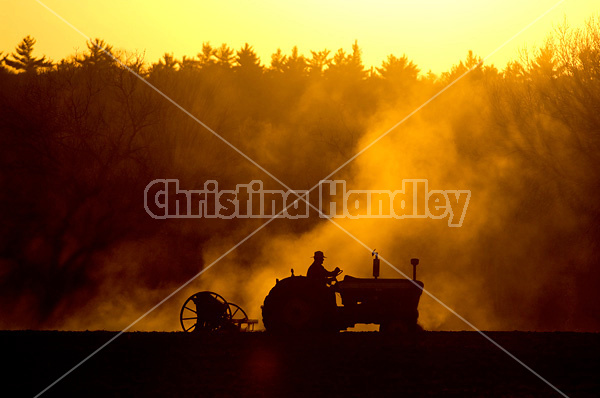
[459, 157]
[434, 34]
[312, 198]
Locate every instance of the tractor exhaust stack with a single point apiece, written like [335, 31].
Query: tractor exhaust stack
[414, 262]
[375, 264]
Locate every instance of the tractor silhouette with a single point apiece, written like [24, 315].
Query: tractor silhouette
[299, 304]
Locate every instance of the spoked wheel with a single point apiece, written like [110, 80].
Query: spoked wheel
[204, 312]
[239, 318]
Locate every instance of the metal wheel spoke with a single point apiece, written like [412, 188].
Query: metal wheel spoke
[212, 314]
[188, 329]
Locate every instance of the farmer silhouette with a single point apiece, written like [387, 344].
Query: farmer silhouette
[318, 273]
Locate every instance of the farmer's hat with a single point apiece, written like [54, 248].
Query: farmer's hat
[319, 254]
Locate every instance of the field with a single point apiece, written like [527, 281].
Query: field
[367, 364]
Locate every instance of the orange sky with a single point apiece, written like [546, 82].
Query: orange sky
[433, 33]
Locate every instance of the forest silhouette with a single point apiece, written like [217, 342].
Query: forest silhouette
[82, 137]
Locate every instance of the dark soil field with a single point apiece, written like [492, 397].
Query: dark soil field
[368, 364]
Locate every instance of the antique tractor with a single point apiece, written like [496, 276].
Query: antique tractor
[298, 303]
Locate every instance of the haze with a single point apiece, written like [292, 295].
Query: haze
[434, 34]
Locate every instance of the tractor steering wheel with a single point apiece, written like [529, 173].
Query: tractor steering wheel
[333, 281]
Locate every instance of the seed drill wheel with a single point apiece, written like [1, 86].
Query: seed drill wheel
[204, 312]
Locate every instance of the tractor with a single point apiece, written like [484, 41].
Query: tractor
[299, 304]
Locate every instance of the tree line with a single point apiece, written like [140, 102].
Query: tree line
[80, 139]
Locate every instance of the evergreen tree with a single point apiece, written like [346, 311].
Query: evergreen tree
[349, 65]
[295, 63]
[99, 54]
[207, 56]
[472, 62]
[319, 60]
[356, 58]
[188, 63]
[247, 59]
[278, 61]
[224, 56]
[398, 69]
[2, 67]
[23, 59]
[166, 63]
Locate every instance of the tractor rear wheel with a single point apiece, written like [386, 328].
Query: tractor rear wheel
[297, 304]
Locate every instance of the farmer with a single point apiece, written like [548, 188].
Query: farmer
[318, 273]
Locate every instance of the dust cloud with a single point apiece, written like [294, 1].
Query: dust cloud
[82, 138]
